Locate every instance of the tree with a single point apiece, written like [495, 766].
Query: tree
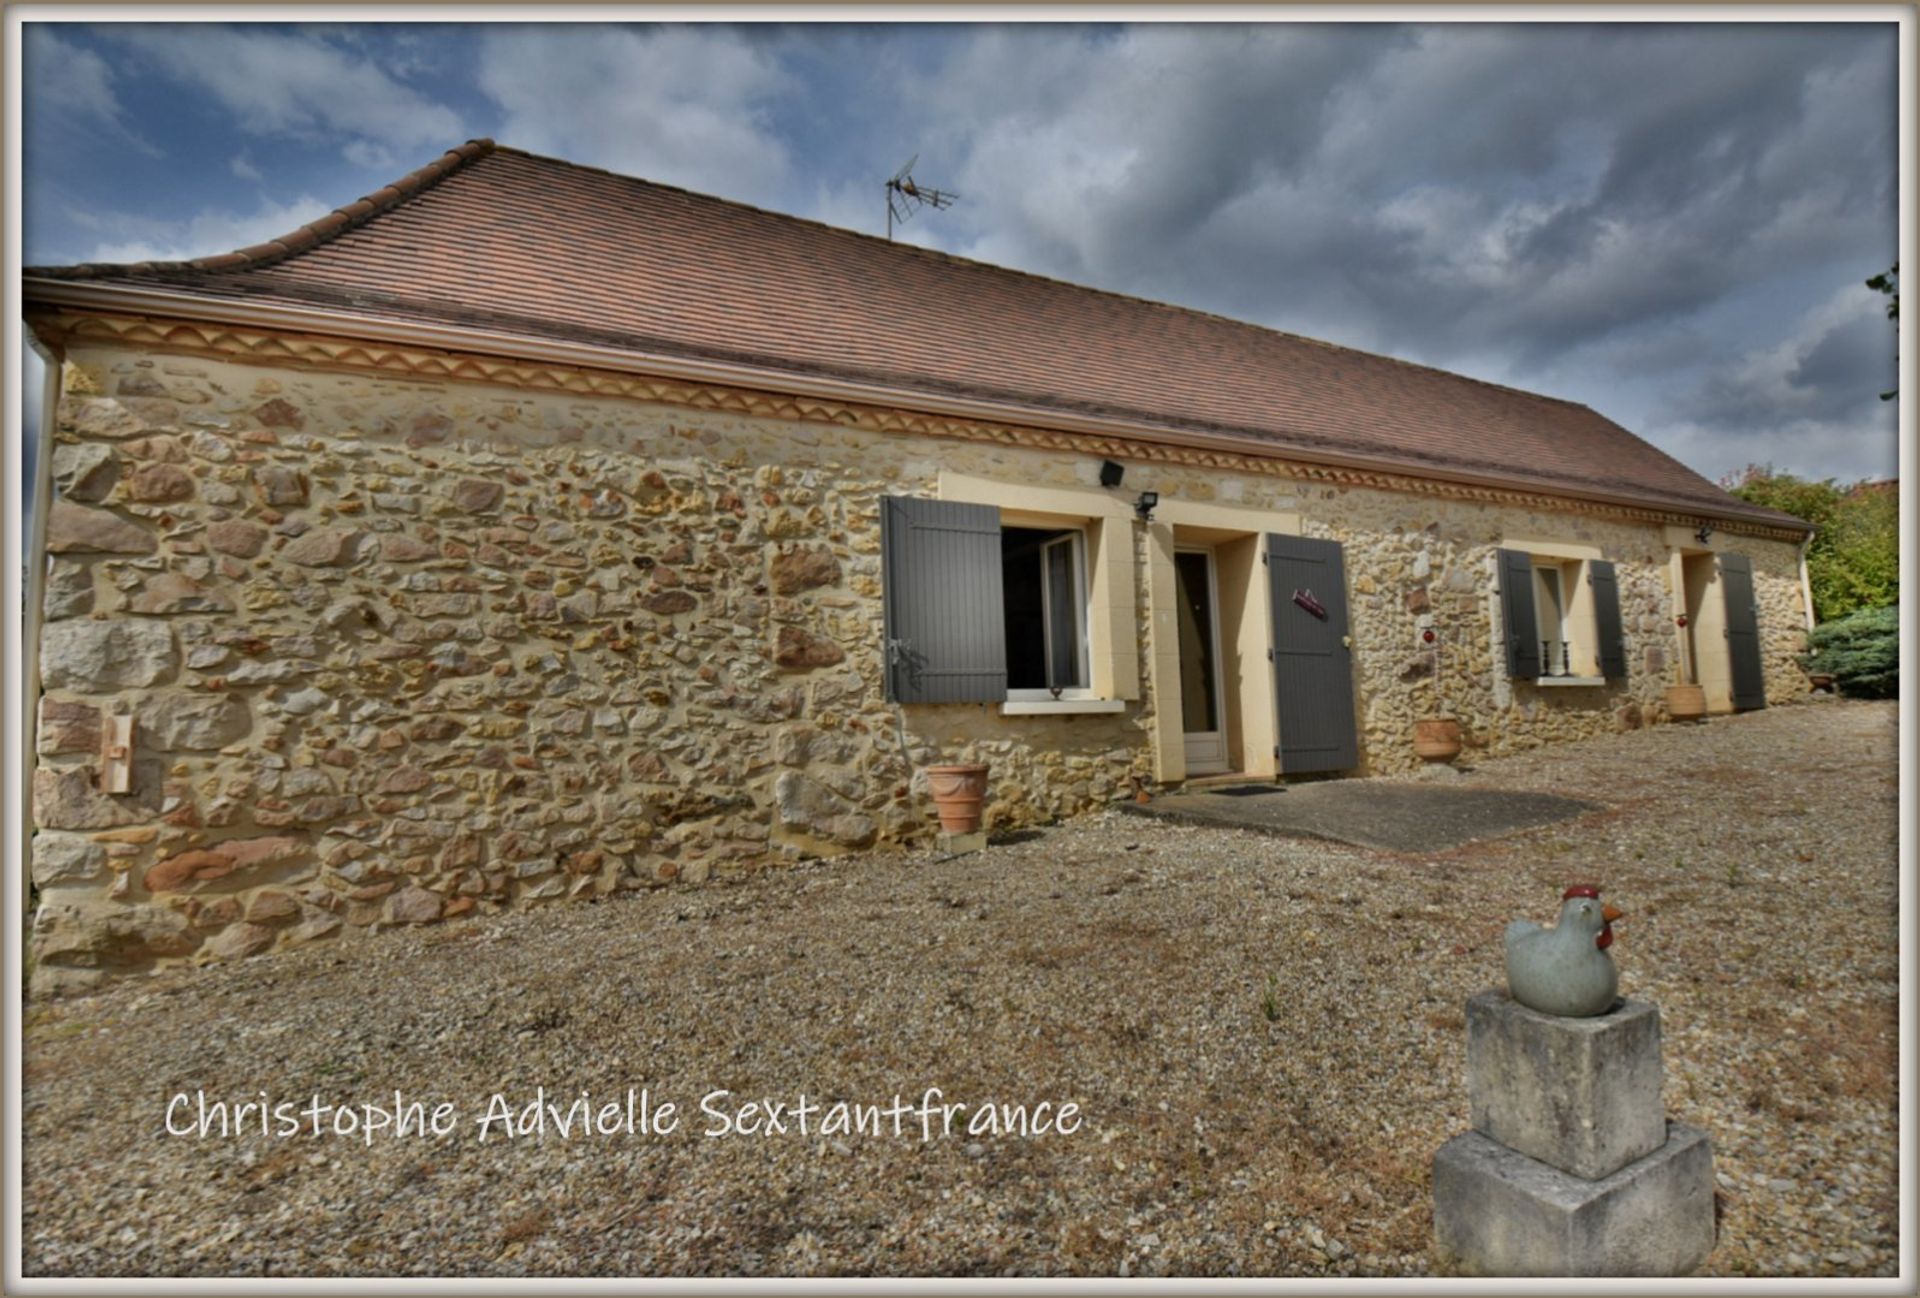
[1854, 561]
[1866, 541]
[1888, 282]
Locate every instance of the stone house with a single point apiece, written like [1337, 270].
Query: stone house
[523, 532]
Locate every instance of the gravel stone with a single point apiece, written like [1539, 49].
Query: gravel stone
[1265, 1037]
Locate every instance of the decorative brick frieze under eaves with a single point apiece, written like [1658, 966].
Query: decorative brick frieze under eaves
[321, 352]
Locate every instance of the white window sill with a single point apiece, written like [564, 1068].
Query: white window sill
[1571, 680]
[1058, 707]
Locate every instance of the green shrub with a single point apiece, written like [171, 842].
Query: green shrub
[1860, 651]
[1854, 561]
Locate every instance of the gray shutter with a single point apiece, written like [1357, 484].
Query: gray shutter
[1612, 646]
[1312, 666]
[1521, 622]
[946, 638]
[1743, 633]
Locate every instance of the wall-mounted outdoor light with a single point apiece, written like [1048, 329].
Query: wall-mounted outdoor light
[1145, 505]
[1704, 535]
[1111, 473]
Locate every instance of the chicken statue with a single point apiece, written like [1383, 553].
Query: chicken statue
[1565, 969]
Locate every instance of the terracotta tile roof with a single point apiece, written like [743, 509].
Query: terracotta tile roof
[512, 242]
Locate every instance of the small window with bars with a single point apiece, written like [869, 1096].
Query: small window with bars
[1562, 616]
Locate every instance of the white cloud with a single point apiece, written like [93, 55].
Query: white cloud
[685, 106]
[243, 167]
[298, 84]
[1843, 451]
[129, 237]
[374, 157]
[1593, 211]
[1629, 214]
[73, 86]
[69, 79]
[1440, 191]
[859, 207]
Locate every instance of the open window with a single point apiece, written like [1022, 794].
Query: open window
[981, 609]
[1562, 618]
[1043, 574]
[1564, 650]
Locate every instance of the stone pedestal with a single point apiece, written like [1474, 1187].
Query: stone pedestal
[1582, 1095]
[1502, 1213]
[1571, 1168]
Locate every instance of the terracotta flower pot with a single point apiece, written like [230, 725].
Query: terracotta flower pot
[1686, 702]
[1436, 739]
[958, 791]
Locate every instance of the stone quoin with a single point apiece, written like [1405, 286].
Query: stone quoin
[531, 613]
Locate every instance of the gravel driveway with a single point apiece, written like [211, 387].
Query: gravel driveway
[1264, 1038]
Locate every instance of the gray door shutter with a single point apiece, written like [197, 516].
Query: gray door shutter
[1743, 633]
[946, 639]
[1612, 646]
[1312, 666]
[1517, 611]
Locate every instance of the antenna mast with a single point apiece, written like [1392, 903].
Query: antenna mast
[904, 197]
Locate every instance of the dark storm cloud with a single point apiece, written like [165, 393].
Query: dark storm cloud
[1830, 373]
[1443, 188]
[1855, 357]
[1662, 220]
[1628, 214]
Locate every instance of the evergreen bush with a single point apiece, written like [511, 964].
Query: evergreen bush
[1860, 651]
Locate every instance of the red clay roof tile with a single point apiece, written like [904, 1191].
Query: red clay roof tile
[517, 243]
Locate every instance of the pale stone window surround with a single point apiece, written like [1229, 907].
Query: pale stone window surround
[1059, 707]
[1258, 711]
[1105, 518]
[1567, 561]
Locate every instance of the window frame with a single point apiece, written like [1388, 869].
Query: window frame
[1117, 668]
[1550, 587]
[1578, 628]
[1074, 535]
[1577, 632]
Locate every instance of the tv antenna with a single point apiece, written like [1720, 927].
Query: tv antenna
[904, 197]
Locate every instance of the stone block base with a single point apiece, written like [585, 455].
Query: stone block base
[1582, 1095]
[960, 844]
[1499, 1213]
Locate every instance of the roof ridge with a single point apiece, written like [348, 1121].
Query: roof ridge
[309, 236]
[1045, 279]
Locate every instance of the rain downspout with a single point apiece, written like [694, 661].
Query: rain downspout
[36, 593]
[1806, 584]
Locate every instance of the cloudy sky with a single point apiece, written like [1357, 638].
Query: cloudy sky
[1671, 223]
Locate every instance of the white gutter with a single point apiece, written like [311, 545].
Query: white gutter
[1806, 583]
[110, 297]
[36, 562]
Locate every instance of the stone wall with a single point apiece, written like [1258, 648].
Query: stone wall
[400, 651]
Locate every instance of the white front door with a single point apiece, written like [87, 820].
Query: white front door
[1202, 693]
